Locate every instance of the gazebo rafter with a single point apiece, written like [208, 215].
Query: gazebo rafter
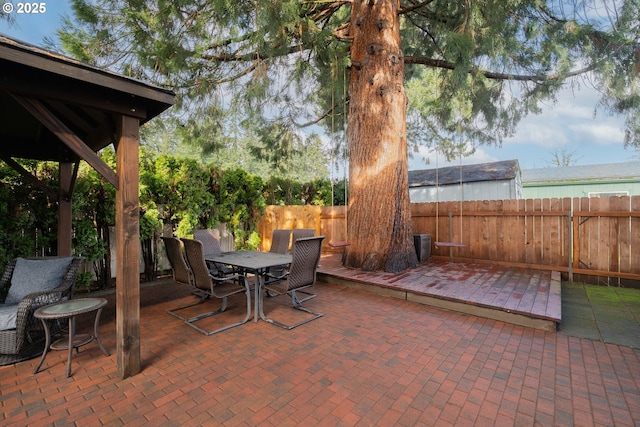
[58, 109]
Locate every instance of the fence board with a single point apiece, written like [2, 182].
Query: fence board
[499, 231]
[617, 204]
[602, 249]
[584, 235]
[605, 235]
[519, 233]
[634, 243]
[333, 226]
[552, 241]
[537, 232]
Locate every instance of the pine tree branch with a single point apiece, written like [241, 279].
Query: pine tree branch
[436, 63]
[252, 56]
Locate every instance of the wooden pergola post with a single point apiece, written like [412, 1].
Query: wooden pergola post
[128, 247]
[58, 109]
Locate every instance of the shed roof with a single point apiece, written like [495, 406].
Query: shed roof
[495, 171]
[604, 172]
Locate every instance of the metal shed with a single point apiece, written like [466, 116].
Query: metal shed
[482, 181]
[611, 179]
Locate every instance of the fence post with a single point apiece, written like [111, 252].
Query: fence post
[570, 242]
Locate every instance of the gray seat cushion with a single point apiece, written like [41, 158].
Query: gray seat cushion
[8, 314]
[36, 275]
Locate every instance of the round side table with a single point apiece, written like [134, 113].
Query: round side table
[69, 310]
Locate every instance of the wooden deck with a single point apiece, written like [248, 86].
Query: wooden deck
[520, 296]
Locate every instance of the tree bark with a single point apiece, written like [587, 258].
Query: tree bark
[379, 211]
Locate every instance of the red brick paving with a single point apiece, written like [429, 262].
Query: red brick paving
[370, 360]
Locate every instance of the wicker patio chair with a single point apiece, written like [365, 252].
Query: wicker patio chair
[280, 245]
[301, 275]
[301, 233]
[280, 241]
[26, 339]
[210, 240]
[181, 273]
[218, 287]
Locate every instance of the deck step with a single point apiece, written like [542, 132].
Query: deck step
[515, 295]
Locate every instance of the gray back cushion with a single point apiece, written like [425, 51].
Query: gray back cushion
[8, 316]
[36, 275]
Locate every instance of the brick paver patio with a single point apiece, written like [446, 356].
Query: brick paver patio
[371, 360]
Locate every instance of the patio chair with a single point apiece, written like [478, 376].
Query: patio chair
[301, 275]
[301, 233]
[280, 245]
[181, 273]
[280, 241]
[213, 286]
[26, 285]
[210, 240]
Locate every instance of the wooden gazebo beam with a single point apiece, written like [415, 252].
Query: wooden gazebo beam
[128, 247]
[70, 139]
[87, 109]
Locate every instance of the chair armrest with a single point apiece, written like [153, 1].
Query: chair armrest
[5, 280]
[230, 278]
[278, 277]
[33, 301]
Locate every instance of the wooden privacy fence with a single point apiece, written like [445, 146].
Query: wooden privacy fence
[588, 239]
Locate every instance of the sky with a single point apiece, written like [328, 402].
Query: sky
[567, 125]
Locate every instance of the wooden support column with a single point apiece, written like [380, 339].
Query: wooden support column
[127, 247]
[64, 210]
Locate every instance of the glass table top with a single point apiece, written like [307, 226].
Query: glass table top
[71, 307]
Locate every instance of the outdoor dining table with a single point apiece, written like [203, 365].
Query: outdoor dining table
[254, 262]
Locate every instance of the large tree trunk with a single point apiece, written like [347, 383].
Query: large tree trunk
[379, 212]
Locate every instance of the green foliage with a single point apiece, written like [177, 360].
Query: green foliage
[83, 281]
[286, 62]
[174, 191]
[176, 187]
[240, 203]
[278, 191]
[27, 215]
[94, 201]
[150, 224]
[250, 243]
[340, 193]
[86, 242]
[150, 229]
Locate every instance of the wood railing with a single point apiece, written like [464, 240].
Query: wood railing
[588, 239]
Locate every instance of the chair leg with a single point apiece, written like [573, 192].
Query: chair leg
[222, 308]
[297, 304]
[310, 296]
[202, 297]
[191, 321]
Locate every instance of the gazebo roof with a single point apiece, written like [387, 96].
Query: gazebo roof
[58, 109]
[82, 97]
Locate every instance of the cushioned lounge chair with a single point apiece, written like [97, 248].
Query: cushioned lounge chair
[26, 285]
